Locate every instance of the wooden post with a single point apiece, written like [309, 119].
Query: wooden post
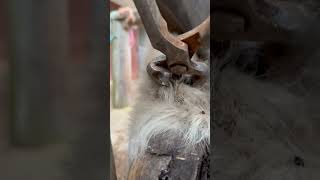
[90, 148]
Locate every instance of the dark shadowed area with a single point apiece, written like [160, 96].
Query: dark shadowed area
[53, 74]
[265, 101]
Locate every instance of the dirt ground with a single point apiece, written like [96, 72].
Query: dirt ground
[119, 120]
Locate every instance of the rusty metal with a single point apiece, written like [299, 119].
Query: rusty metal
[178, 50]
[249, 20]
[158, 71]
[194, 37]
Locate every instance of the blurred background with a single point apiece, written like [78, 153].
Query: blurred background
[130, 50]
[53, 74]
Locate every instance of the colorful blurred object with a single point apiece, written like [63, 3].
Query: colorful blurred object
[124, 50]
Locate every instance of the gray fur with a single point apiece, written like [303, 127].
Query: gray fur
[176, 112]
